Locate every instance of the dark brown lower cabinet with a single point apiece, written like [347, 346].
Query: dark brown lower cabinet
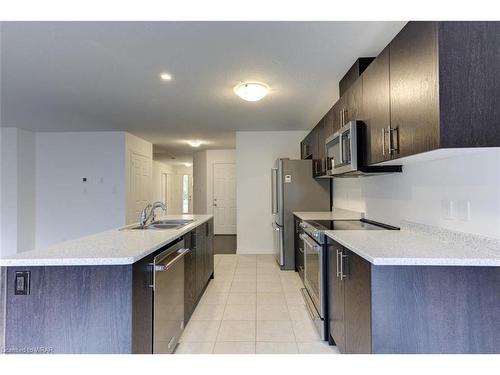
[349, 302]
[199, 265]
[97, 309]
[299, 249]
[411, 309]
[190, 296]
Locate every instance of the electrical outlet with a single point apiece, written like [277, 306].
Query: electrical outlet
[463, 210]
[22, 283]
[447, 209]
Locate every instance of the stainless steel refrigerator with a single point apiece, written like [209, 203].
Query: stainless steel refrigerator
[293, 189]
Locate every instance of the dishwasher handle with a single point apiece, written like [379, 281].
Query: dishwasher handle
[181, 253]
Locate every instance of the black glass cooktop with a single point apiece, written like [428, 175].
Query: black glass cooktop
[362, 224]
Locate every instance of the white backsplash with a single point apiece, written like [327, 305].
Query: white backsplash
[459, 193]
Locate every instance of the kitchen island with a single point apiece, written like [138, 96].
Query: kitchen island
[417, 290]
[94, 294]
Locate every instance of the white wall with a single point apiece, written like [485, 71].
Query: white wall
[67, 207]
[256, 153]
[203, 163]
[418, 193]
[18, 191]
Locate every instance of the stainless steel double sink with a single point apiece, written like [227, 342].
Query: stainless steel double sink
[164, 224]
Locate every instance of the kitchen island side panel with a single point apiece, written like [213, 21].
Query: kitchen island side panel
[435, 309]
[71, 309]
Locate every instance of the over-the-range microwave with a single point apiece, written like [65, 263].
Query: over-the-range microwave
[346, 153]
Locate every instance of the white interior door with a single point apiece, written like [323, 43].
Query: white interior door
[140, 184]
[174, 197]
[224, 198]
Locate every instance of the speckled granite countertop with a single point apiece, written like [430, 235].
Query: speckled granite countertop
[421, 245]
[113, 247]
[336, 214]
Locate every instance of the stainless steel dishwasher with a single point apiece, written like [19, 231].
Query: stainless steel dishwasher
[168, 286]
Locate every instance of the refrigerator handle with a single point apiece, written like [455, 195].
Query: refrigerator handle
[274, 180]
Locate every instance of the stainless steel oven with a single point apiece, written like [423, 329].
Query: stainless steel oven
[314, 276]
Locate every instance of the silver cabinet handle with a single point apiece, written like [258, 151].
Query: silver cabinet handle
[342, 257]
[166, 267]
[394, 149]
[337, 262]
[389, 130]
[383, 141]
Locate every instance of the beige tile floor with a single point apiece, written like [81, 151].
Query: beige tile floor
[252, 307]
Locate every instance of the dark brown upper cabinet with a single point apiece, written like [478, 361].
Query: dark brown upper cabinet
[329, 124]
[353, 74]
[435, 86]
[353, 102]
[377, 107]
[444, 87]
[414, 90]
[322, 130]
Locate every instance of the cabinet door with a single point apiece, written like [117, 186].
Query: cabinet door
[336, 117]
[198, 238]
[299, 250]
[328, 126]
[414, 89]
[354, 101]
[335, 297]
[190, 296]
[209, 253]
[313, 141]
[376, 108]
[320, 169]
[357, 305]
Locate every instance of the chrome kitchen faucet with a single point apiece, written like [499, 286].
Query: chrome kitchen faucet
[145, 216]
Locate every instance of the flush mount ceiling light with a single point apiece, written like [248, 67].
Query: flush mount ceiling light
[251, 91]
[187, 164]
[194, 143]
[165, 76]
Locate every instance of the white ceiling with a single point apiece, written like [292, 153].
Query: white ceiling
[63, 76]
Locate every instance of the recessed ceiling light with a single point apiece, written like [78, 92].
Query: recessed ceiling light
[188, 164]
[251, 91]
[166, 77]
[194, 143]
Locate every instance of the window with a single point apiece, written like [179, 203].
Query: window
[185, 194]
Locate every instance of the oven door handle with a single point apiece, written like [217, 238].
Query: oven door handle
[308, 242]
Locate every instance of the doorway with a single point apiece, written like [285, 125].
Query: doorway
[224, 207]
